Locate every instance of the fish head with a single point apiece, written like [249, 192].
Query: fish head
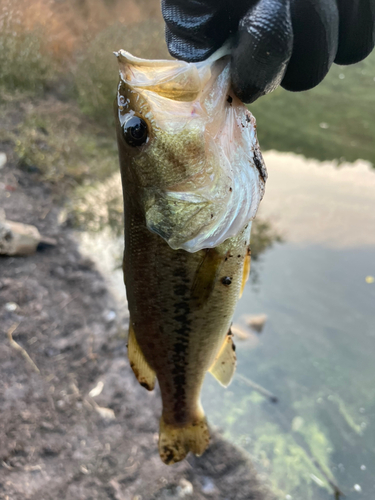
[189, 155]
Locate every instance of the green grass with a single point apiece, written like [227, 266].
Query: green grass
[24, 65]
[60, 143]
[332, 121]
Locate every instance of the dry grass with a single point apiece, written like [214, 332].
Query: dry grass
[39, 40]
[55, 139]
[65, 47]
[67, 24]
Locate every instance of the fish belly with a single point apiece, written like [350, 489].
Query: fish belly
[181, 306]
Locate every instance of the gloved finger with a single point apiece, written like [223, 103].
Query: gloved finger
[262, 49]
[315, 30]
[196, 28]
[356, 30]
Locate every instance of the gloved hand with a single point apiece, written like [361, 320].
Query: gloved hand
[287, 42]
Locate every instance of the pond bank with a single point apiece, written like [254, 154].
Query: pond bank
[57, 440]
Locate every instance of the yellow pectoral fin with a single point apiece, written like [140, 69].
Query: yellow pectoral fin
[245, 273]
[142, 370]
[224, 366]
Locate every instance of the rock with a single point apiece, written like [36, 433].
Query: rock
[184, 489]
[208, 486]
[3, 160]
[97, 390]
[105, 413]
[240, 332]
[256, 322]
[17, 238]
[245, 333]
[20, 239]
[11, 306]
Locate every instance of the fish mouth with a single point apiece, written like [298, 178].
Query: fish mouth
[176, 80]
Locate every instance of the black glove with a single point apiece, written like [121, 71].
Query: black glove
[287, 42]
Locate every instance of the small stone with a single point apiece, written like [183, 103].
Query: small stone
[109, 316]
[357, 488]
[105, 413]
[17, 238]
[84, 469]
[11, 306]
[239, 332]
[184, 489]
[3, 160]
[96, 390]
[256, 322]
[208, 487]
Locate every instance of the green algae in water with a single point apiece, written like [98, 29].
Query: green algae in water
[286, 456]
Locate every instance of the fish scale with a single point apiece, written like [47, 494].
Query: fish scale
[181, 300]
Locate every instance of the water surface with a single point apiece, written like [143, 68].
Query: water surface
[316, 352]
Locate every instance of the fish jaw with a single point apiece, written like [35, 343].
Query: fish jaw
[200, 176]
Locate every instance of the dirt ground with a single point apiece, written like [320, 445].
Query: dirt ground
[57, 441]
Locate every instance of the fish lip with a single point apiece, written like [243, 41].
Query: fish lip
[126, 57]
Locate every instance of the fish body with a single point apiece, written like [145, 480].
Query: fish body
[193, 177]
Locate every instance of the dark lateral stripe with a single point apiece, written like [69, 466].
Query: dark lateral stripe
[182, 311]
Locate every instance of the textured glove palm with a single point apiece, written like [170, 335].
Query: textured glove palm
[287, 42]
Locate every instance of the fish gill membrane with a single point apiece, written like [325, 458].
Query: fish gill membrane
[200, 174]
[193, 174]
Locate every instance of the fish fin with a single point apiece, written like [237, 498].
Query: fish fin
[176, 442]
[142, 370]
[206, 276]
[224, 366]
[245, 273]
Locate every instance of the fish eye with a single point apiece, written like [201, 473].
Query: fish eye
[135, 131]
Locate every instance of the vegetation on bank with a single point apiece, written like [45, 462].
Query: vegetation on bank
[333, 121]
[56, 107]
[50, 51]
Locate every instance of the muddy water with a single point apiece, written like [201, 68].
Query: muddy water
[317, 350]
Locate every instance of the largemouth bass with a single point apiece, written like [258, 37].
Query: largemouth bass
[193, 177]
